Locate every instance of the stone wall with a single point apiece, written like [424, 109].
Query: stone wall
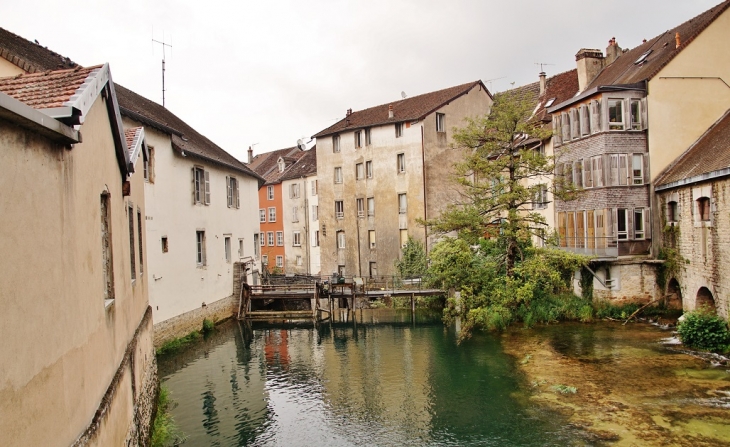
[632, 281]
[184, 324]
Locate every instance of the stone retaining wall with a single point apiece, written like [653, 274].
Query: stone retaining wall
[184, 324]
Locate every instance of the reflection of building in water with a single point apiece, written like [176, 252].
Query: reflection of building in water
[276, 348]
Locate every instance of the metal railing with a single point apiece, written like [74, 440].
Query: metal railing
[591, 246]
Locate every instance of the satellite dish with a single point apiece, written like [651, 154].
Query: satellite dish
[403, 95]
[301, 145]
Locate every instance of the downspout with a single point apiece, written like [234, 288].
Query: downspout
[306, 226]
[425, 200]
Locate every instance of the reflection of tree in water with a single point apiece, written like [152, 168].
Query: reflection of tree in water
[579, 343]
[210, 421]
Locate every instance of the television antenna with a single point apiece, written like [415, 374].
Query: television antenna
[489, 81]
[541, 64]
[164, 44]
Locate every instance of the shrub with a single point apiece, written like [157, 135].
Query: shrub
[164, 430]
[208, 326]
[178, 343]
[703, 329]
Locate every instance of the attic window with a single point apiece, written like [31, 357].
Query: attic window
[282, 165]
[549, 102]
[643, 57]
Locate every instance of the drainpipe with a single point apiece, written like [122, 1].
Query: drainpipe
[359, 256]
[306, 227]
[425, 200]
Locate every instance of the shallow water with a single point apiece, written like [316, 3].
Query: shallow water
[390, 379]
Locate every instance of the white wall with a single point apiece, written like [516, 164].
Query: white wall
[310, 263]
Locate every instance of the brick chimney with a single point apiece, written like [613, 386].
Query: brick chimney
[390, 111]
[613, 51]
[542, 82]
[250, 155]
[589, 63]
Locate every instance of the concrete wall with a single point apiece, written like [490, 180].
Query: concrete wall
[308, 255]
[64, 348]
[681, 105]
[704, 245]
[177, 284]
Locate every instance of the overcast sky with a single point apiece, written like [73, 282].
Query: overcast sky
[270, 72]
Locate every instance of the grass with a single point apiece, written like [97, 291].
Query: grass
[178, 343]
[165, 432]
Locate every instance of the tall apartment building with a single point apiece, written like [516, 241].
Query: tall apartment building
[382, 169]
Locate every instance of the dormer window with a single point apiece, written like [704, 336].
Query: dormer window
[643, 57]
[282, 165]
[549, 102]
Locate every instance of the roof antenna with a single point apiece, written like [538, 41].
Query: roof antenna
[489, 82]
[163, 61]
[541, 64]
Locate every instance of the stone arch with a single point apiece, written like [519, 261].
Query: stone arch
[704, 299]
[674, 294]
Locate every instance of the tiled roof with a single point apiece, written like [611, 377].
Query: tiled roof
[710, 153]
[266, 164]
[559, 88]
[305, 166]
[135, 143]
[30, 56]
[409, 109]
[48, 89]
[663, 49]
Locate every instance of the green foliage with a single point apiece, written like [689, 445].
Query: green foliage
[208, 326]
[413, 262]
[671, 266]
[178, 343]
[704, 329]
[165, 432]
[586, 283]
[564, 389]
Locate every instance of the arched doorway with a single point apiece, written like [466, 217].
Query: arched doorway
[704, 299]
[674, 295]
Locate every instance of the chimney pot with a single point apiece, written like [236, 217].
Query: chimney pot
[250, 155]
[677, 40]
[349, 112]
[542, 83]
[390, 111]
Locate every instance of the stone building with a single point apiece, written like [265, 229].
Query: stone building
[382, 169]
[620, 131]
[693, 199]
[78, 358]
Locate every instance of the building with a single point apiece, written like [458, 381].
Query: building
[620, 131]
[693, 200]
[201, 204]
[382, 169]
[79, 363]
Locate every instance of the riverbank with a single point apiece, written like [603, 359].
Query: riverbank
[630, 389]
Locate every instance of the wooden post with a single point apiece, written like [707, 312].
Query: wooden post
[413, 303]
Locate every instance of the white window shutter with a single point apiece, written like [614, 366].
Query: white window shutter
[238, 196]
[229, 192]
[644, 114]
[207, 187]
[192, 182]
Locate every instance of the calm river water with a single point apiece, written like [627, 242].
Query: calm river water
[390, 379]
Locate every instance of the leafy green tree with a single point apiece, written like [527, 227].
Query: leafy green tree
[413, 262]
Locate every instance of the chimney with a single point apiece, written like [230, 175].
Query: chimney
[250, 155]
[676, 40]
[349, 112]
[613, 51]
[542, 83]
[390, 111]
[589, 63]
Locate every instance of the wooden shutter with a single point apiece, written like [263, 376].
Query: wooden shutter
[566, 126]
[644, 114]
[556, 128]
[613, 170]
[207, 187]
[647, 223]
[587, 173]
[192, 178]
[237, 194]
[647, 178]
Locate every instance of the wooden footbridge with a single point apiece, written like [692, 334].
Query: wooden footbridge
[316, 298]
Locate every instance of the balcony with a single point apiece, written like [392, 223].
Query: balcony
[602, 247]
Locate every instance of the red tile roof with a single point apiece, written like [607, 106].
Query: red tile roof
[663, 49]
[133, 136]
[48, 89]
[409, 109]
[559, 88]
[710, 153]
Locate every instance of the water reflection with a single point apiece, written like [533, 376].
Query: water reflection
[373, 377]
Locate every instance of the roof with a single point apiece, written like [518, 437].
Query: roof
[409, 109]
[135, 143]
[30, 56]
[663, 49]
[304, 167]
[266, 164]
[708, 157]
[29, 118]
[558, 88]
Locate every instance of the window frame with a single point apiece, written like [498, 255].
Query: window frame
[280, 261]
[622, 235]
[639, 226]
[279, 238]
[270, 192]
[616, 125]
[338, 175]
[635, 121]
[358, 139]
[262, 215]
[315, 213]
[339, 209]
[368, 137]
[637, 179]
[360, 206]
[296, 239]
[401, 163]
[232, 193]
[336, 144]
[200, 258]
[440, 122]
[371, 206]
[227, 248]
[271, 242]
[402, 203]
[398, 130]
[340, 239]
[359, 171]
[368, 169]
[272, 214]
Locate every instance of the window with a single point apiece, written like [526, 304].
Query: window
[315, 212]
[597, 166]
[638, 223]
[299, 261]
[280, 238]
[703, 209]
[335, 143]
[368, 140]
[635, 109]
[149, 165]
[265, 259]
[270, 238]
[369, 169]
[358, 139]
[272, 214]
[623, 224]
[201, 186]
[295, 214]
[338, 175]
[578, 173]
[618, 170]
[270, 192]
[340, 240]
[402, 204]
[549, 102]
[232, 187]
[398, 130]
[360, 207]
[637, 169]
[401, 160]
[314, 187]
[297, 239]
[403, 238]
[615, 114]
[280, 261]
[440, 122]
[315, 238]
[643, 57]
[130, 215]
[294, 191]
[540, 200]
[262, 238]
[240, 248]
[672, 212]
[282, 164]
[165, 246]
[256, 240]
[371, 238]
[359, 171]
[339, 209]
[371, 206]
[262, 215]
[106, 250]
[341, 270]
[200, 248]
[227, 248]
[139, 241]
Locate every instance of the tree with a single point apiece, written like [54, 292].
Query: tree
[413, 262]
[496, 199]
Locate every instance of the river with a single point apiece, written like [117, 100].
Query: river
[390, 379]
